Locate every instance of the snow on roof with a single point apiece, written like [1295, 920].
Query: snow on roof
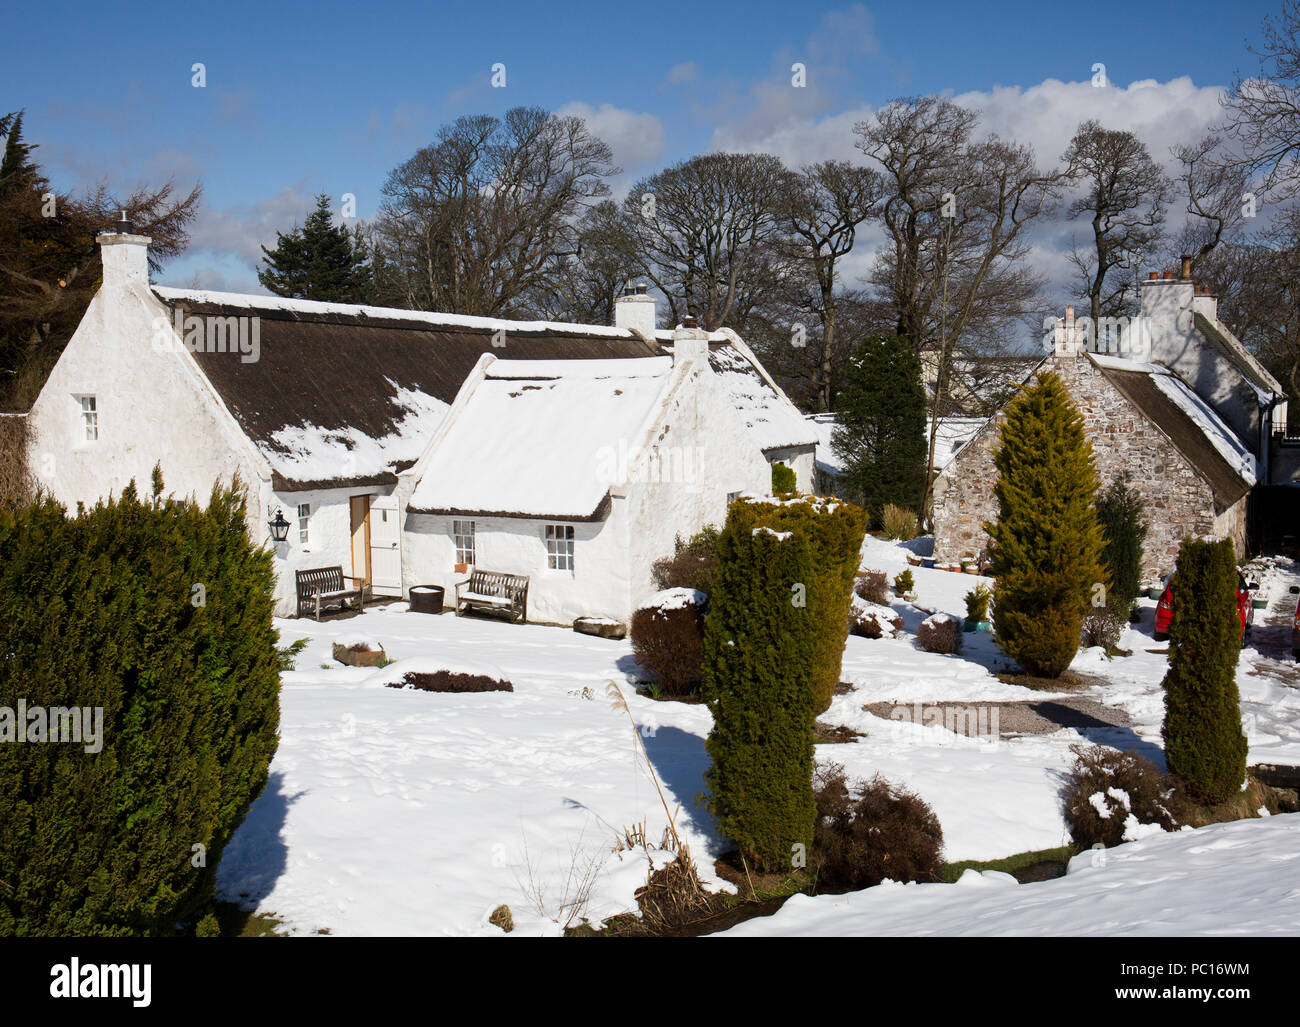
[549, 445]
[1235, 453]
[309, 453]
[954, 432]
[1231, 448]
[206, 297]
[774, 421]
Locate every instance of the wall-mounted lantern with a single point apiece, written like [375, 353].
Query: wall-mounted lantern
[279, 527]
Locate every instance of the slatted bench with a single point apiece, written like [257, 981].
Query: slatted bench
[494, 592]
[322, 587]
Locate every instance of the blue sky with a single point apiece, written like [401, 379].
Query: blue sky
[327, 97]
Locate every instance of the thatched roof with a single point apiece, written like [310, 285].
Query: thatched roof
[345, 395]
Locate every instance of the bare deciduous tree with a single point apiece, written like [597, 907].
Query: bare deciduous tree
[478, 219]
[1125, 197]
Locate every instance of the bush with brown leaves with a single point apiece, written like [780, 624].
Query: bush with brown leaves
[1108, 793]
[451, 681]
[668, 641]
[873, 586]
[940, 633]
[872, 831]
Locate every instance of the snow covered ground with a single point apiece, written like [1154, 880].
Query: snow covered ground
[1226, 879]
[392, 811]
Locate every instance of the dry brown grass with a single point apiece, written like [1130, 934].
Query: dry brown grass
[17, 485]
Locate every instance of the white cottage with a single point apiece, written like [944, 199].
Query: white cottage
[332, 415]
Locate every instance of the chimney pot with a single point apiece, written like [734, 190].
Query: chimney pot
[1185, 271]
[1168, 276]
[635, 311]
[1069, 312]
[1152, 276]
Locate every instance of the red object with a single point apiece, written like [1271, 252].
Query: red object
[1165, 609]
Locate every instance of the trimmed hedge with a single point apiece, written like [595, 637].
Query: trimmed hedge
[834, 530]
[783, 479]
[759, 656]
[1204, 744]
[668, 641]
[159, 614]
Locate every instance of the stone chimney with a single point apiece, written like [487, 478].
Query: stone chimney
[635, 310]
[1069, 337]
[690, 342]
[125, 256]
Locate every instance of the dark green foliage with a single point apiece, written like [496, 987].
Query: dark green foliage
[1119, 509]
[692, 563]
[319, 261]
[783, 479]
[759, 654]
[835, 530]
[1047, 542]
[1151, 797]
[872, 831]
[102, 610]
[1204, 744]
[977, 603]
[880, 425]
[904, 582]
[17, 170]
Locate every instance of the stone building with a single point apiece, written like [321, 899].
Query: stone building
[1169, 398]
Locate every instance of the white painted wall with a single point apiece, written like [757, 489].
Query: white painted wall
[802, 459]
[596, 587]
[1168, 307]
[154, 407]
[329, 541]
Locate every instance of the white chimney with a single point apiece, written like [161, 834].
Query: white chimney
[690, 342]
[125, 256]
[635, 311]
[1069, 335]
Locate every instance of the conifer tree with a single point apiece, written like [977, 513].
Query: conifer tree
[319, 261]
[1047, 542]
[1119, 509]
[759, 653]
[1204, 744]
[17, 170]
[880, 425]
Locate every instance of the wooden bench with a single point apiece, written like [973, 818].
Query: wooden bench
[494, 592]
[322, 587]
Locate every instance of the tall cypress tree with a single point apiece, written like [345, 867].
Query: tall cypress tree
[319, 261]
[1204, 744]
[17, 169]
[759, 657]
[1047, 541]
[1119, 509]
[880, 425]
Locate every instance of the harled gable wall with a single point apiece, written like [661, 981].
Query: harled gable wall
[1178, 501]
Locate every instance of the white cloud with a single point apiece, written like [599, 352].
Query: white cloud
[241, 230]
[637, 139]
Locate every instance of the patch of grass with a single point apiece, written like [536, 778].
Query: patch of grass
[242, 923]
[1067, 682]
[1008, 864]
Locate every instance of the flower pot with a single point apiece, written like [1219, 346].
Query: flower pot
[970, 568]
[927, 561]
[913, 560]
[427, 598]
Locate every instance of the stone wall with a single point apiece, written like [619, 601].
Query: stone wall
[1178, 501]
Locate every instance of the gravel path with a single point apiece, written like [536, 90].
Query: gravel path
[1032, 717]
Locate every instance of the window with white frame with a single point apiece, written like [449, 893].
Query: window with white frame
[559, 547]
[304, 523]
[89, 419]
[463, 534]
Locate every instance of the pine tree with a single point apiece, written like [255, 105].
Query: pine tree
[1119, 509]
[1047, 542]
[759, 653]
[880, 425]
[1204, 744]
[319, 261]
[17, 169]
